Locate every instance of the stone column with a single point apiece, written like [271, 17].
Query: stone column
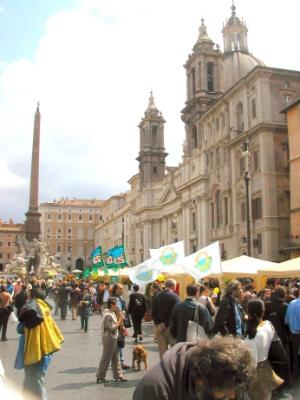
[32, 223]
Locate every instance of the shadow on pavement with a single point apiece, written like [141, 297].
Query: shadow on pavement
[123, 385]
[74, 386]
[85, 370]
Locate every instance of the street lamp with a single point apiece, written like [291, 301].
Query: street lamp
[246, 155]
[84, 242]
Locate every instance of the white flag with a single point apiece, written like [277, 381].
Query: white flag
[167, 257]
[143, 273]
[204, 262]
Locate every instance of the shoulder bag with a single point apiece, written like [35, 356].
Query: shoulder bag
[194, 330]
[277, 353]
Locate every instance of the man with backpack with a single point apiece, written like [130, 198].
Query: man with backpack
[137, 309]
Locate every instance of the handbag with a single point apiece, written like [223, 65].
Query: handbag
[277, 353]
[121, 340]
[12, 318]
[194, 330]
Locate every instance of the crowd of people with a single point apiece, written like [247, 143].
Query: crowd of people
[237, 332]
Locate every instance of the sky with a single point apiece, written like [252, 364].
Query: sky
[92, 65]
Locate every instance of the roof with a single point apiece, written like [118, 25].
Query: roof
[294, 103]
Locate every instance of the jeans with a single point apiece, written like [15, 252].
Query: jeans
[137, 326]
[34, 381]
[4, 316]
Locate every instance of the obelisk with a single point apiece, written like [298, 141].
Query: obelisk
[32, 223]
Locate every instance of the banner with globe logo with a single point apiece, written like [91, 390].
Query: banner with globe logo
[204, 262]
[167, 257]
[143, 273]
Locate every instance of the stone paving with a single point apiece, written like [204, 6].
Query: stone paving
[72, 371]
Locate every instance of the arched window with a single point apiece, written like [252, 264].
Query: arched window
[210, 76]
[154, 135]
[218, 203]
[193, 78]
[239, 117]
[194, 137]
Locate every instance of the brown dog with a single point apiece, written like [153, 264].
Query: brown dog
[139, 355]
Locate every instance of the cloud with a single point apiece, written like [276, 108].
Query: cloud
[92, 72]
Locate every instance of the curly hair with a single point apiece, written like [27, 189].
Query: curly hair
[222, 363]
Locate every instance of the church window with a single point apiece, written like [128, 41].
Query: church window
[243, 211]
[239, 118]
[242, 166]
[194, 137]
[80, 217]
[194, 222]
[218, 202]
[154, 170]
[193, 78]
[255, 160]
[253, 108]
[226, 220]
[154, 135]
[210, 76]
[59, 217]
[256, 208]
[211, 160]
[212, 215]
[238, 41]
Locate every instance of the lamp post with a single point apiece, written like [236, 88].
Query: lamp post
[246, 155]
[84, 242]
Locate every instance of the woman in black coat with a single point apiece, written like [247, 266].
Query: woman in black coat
[137, 308]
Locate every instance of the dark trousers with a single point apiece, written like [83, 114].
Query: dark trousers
[4, 315]
[84, 322]
[63, 310]
[137, 326]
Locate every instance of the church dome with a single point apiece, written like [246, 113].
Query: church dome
[236, 65]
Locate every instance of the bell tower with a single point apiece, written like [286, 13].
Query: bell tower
[235, 34]
[152, 149]
[204, 85]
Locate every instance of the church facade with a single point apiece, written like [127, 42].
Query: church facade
[233, 100]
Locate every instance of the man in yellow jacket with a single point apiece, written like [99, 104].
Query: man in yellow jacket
[40, 338]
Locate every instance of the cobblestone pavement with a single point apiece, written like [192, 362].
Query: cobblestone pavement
[72, 371]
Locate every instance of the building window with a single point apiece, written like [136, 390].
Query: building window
[154, 135]
[154, 170]
[211, 161]
[257, 208]
[239, 118]
[217, 124]
[8, 244]
[49, 217]
[243, 211]
[212, 215]
[1, 244]
[80, 217]
[255, 160]
[226, 220]
[194, 221]
[259, 243]
[59, 217]
[218, 202]
[69, 248]
[70, 217]
[90, 217]
[210, 76]
[58, 248]
[100, 217]
[193, 78]
[218, 158]
[194, 137]
[69, 231]
[287, 98]
[242, 166]
[8, 256]
[253, 108]
[286, 84]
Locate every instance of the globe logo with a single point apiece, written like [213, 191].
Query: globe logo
[203, 261]
[168, 256]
